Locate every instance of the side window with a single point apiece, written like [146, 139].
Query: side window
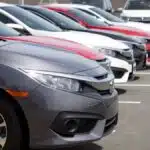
[68, 16]
[87, 12]
[42, 16]
[5, 19]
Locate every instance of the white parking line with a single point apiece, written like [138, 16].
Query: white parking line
[142, 73]
[130, 102]
[132, 85]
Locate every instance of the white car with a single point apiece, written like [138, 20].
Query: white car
[29, 23]
[108, 18]
[136, 10]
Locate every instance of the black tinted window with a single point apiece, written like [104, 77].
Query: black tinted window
[138, 4]
[86, 17]
[30, 19]
[6, 31]
[59, 19]
[5, 19]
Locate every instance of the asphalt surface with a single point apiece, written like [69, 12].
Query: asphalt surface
[133, 130]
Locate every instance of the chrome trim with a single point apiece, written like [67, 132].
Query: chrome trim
[71, 76]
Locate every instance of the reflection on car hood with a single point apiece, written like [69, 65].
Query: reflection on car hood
[81, 37]
[91, 40]
[31, 56]
[53, 42]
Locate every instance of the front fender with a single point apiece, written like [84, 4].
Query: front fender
[13, 79]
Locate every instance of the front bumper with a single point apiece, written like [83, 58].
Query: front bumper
[122, 69]
[140, 57]
[44, 107]
[148, 54]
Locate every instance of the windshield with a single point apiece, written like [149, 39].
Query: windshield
[59, 19]
[31, 20]
[87, 18]
[6, 31]
[106, 15]
[138, 4]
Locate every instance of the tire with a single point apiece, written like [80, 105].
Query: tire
[14, 140]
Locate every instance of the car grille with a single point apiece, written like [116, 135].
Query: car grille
[126, 55]
[140, 19]
[136, 19]
[118, 73]
[101, 77]
[95, 90]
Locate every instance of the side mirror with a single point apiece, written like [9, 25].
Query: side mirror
[119, 10]
[15, 26]
[101, 19]
[18, 28]
[109, 10]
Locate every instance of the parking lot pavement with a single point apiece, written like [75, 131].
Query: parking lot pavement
[132, 132]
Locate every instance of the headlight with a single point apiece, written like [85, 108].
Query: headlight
[55, 82]
[107, 52]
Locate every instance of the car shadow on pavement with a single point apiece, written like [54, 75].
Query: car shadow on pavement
[90, 146]
[136, 78]
[121, 91]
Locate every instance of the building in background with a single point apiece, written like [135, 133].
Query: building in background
[115, 3]
[118, 3]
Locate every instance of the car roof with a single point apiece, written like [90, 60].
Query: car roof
[29, 6]
[60, 7]
[5, 4]
[72, 5]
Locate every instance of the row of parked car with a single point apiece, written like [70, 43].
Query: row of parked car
[59, 64]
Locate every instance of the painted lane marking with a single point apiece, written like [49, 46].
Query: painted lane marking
[142, 73]
[129, 102]
[132, 85]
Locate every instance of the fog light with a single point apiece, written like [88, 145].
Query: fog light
[72, 125]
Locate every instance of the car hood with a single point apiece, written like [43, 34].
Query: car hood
[129, 30]
[136, 13]
[138, 25]
[117, 36]
[31, 56]
[93, 40]
[58, 43]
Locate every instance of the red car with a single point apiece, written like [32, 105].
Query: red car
[92, 23]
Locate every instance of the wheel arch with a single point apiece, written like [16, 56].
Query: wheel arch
[19, 111]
